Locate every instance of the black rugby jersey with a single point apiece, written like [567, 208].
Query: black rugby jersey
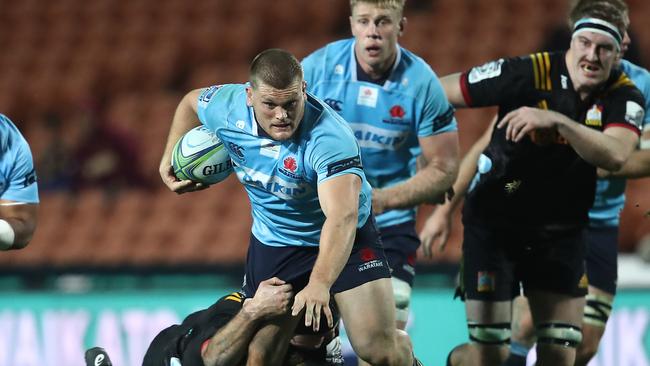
[184, 341]
[540, 181]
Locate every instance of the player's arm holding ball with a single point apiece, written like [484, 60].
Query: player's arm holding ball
[185, 118]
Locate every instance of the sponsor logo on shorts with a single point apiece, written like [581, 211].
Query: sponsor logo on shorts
[369, 257]
[512, 187]
[584, 281]
[486, 281]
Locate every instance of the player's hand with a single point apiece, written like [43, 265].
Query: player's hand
[436, 229]
[523, 120]
[178, 186]
[272, 298]
[313, 298]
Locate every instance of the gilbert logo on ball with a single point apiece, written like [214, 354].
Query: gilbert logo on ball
[200, 156]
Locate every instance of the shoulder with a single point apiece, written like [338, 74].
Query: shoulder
[639, 76]
[10, 136]
[331, 53]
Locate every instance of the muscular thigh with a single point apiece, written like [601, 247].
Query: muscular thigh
[368, 310]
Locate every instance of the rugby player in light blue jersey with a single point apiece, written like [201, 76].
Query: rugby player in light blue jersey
[398, 110]
[18, 188]
[312, 224]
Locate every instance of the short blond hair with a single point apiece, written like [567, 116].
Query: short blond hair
[386, 4]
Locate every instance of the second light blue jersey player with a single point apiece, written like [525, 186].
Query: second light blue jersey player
[610, 192]
[387, 119]
[281, 177]
[17, 176]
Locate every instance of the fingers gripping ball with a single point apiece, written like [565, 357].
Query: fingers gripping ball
[200, 156]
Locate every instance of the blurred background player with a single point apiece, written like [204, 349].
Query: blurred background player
[602, 232]
[397, 109]
[312, 225]
[527, 170]
[18, 188]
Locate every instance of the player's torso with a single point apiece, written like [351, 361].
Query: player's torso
[541, 179]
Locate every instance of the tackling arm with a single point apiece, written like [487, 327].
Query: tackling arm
[229, 345]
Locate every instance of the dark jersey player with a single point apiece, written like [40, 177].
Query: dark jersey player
[561, 115]
[220, 335]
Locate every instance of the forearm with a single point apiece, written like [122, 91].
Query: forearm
[429, 185]
[336, 241]
[185, 118]
[636, 166]
[593, 146]
[229, 345]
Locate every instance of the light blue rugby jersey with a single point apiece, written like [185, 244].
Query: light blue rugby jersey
[17, 175]
[281, 177]
[386, 119]
[610, 192]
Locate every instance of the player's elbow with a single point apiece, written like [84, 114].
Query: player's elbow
[615, 162]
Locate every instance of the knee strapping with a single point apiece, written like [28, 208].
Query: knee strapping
[597, 310]
[402, 294]
[489, 334]
[561, 334]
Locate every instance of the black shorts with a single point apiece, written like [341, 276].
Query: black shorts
[496, 261]
[367, 263]
[400, 244]
[602, 254]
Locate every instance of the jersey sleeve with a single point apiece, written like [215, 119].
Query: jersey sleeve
[625, 108]
[212, 106]
[498, 82]
[334, 152]
[437, 113]
[21, 179]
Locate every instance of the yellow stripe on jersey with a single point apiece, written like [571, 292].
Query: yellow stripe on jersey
[542, 71]
[235, 296]
[623, 80]
[535, 72]
[542, 104]
[547, 63]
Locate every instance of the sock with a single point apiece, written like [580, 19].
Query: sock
[518, 354]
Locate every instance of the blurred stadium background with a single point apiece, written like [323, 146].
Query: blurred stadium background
[93, 85]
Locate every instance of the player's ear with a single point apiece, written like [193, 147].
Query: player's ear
[304, 86]
[402, 25]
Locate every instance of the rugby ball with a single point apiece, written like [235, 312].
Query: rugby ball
[199, 155]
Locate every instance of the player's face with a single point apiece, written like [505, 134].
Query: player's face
[376, 31]
[278, 111]
[591, 58]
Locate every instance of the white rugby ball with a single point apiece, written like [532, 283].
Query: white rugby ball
[200, 156]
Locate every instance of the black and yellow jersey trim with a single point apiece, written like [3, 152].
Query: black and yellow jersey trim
[623, 80]
[235, 296]
[542, 70]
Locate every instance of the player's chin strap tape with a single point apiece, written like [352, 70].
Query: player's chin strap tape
[561, 334]
[489, 334]
[597, 310]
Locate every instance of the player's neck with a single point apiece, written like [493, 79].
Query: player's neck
[379, 71]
